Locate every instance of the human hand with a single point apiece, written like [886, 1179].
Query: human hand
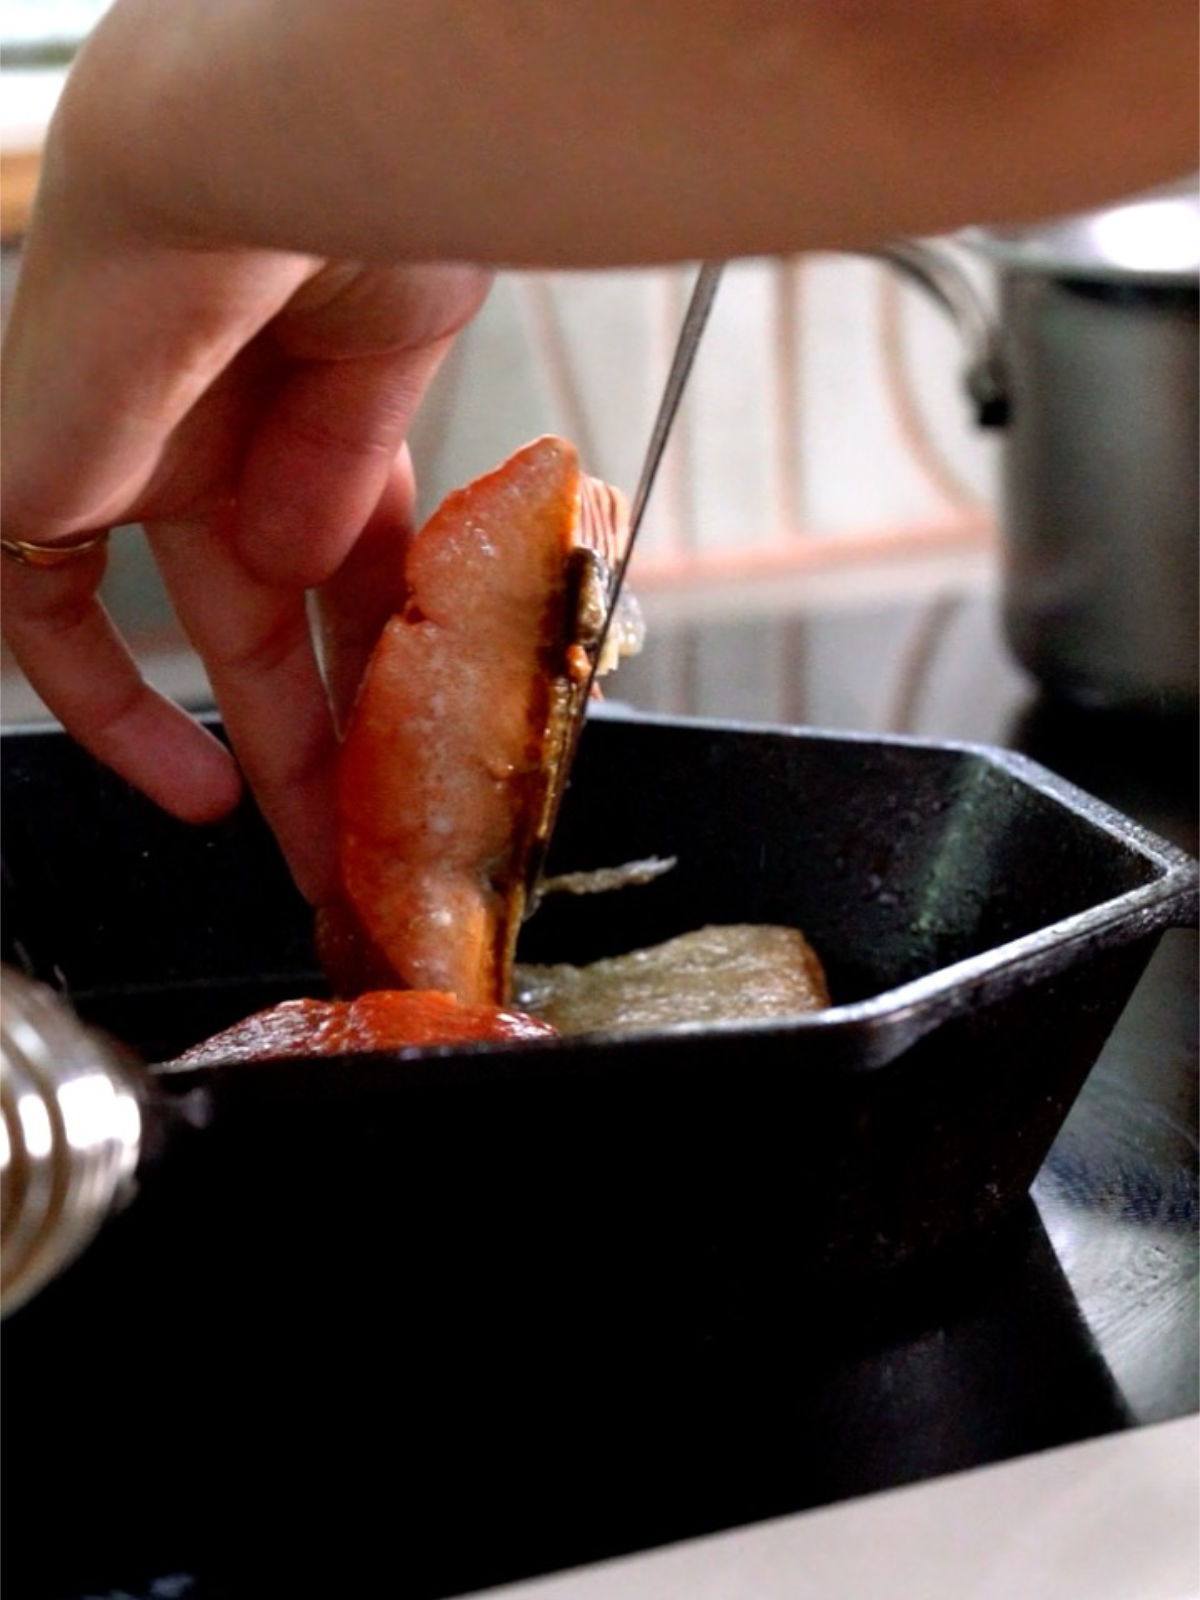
[212, 334]
[248, 408]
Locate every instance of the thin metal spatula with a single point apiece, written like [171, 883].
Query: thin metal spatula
[694, 321]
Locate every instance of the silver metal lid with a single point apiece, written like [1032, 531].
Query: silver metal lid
[1151, 239]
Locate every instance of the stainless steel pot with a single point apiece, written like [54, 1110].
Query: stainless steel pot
[1092, 366]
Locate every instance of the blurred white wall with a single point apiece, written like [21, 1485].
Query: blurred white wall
[791, 424]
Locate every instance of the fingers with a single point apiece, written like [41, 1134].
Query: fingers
[256, 644]
[64, 643]
[320, 460]
[105, 353]
[260, 463]
[320, 495]
[367, 589]
[256, 639]
[365, 344]
[104, 357]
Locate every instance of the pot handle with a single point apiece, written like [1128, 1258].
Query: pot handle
[937, 272]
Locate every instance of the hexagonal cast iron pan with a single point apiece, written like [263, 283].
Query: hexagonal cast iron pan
[982, 924]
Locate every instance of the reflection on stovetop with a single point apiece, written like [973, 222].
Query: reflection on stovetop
[520, 1423]
[1118, 1193]
[1122, 1221]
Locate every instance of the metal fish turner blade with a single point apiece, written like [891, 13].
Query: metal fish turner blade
[694, 320]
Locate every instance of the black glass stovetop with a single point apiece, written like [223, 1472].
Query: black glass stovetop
[548, 1424]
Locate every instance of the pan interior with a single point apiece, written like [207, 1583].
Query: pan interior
[894, 859]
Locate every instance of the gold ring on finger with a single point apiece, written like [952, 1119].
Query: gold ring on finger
[52, 555]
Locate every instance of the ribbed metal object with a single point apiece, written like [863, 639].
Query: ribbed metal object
[70, 1135]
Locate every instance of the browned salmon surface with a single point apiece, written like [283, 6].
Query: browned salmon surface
[380, 1021]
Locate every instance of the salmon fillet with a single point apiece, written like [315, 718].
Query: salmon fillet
[383, 1021]
[457, 739]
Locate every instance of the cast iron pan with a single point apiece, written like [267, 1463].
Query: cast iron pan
[441, 1320]
[982, 924]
